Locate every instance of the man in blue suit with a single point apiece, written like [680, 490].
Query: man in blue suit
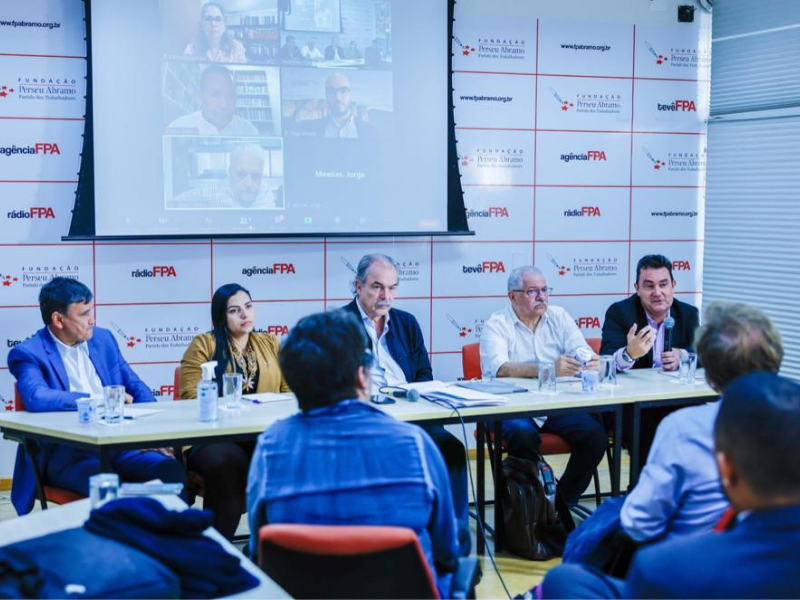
[395, 339]
[68, 359]
[757, 446]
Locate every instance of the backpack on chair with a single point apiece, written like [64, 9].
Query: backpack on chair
[535, 521]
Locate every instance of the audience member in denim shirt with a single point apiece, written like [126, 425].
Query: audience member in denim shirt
[341, 461]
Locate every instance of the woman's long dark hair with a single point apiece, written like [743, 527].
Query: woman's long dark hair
[222, 336]
[200, 40]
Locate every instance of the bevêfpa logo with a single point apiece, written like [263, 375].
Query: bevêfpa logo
[486, 267]
[677, 106]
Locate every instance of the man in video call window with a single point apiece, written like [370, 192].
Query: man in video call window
[243, 189]
[343, 120]
[217, 115]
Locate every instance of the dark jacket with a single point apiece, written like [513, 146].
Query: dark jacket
[405, 343]
[705, 566]
[621, 315]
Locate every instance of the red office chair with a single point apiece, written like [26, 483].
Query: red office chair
[551, 443]
[195, 486]
[48, 493]
[594, 344]
[352, 561]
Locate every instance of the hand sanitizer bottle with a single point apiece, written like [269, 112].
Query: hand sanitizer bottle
[207, 393]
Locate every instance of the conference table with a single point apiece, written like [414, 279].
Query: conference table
[177, 423]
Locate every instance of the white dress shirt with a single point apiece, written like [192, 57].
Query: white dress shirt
[81, 373]
[504, 338]
[195, 123]
[385, 370]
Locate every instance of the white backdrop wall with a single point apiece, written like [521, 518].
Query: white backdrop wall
[581, 135]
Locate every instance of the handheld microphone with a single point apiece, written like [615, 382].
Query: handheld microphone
[398, 393]
[669, 324]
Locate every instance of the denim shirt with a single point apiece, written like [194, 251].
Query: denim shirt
[352, 464]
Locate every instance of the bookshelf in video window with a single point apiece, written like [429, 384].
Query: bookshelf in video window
[181, 89]
[259, 35]
[253, 101]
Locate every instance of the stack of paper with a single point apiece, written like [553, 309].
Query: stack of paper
[452, 395]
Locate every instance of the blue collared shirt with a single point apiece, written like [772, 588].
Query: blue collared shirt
[679, 489]
[352, 464]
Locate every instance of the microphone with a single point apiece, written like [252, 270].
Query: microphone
[669, 324]
[398, 393]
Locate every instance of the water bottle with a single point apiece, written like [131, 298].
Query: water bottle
[207, 393]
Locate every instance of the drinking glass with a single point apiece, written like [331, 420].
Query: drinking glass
[102, 488]
[589, 379]
[688, 368]
[547, 376]
[607, 372]
[114, 403]
[232, 390]
[86, 410]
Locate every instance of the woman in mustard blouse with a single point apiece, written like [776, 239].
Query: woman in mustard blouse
[237, 349]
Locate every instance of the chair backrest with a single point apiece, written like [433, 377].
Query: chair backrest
[176, 384]
[345, 561]
[594, 344]
[471, 360]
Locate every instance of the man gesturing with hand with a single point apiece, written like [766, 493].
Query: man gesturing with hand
[634, 331]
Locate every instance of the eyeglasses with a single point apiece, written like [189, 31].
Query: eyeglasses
[213, 19]
[533, 292]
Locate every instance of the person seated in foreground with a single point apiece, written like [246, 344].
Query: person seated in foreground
[513, 341]
[236, 348]
[70, 358]
[756, 445]
[341, 461]
[679, 491]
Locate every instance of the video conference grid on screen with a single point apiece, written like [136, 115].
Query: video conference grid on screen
[273, 116]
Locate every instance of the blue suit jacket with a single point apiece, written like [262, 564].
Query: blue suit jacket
[43, 385]
[405, 342]
[757, 559]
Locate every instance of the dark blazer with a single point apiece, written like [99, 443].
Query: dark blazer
[43, 385]
[405, 343]
[621, 315]
[757, 559]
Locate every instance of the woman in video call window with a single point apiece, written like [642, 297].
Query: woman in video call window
[212, 41]
[237, 349]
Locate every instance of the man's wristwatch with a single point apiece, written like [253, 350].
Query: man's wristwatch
[627, 357]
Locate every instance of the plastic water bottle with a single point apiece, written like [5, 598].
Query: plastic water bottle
[207, 393]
